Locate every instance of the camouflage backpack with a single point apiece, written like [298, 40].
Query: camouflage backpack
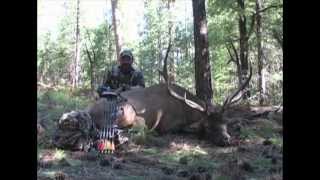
[74, 131]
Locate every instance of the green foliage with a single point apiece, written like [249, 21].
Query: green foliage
[98, 42]
[52, 104]
[139, 135]
[148, 47]
[223, 25]
[55, 56]
[154, 42]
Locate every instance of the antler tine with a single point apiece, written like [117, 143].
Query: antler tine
[225, 104]
[174, 94]
[187, 101]
[229, 100]
[192, 104]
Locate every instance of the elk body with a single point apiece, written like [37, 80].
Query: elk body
[170, 108]
[164, 110]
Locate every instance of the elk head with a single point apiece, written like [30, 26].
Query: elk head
[214, 125]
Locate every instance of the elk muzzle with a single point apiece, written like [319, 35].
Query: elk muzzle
[219, 135]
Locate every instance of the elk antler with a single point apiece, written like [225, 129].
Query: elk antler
[230, 99]
[187, 101]
[164, 72]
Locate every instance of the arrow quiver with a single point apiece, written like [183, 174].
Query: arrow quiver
[110, 132]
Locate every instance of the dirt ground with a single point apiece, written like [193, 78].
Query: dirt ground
[255, 153]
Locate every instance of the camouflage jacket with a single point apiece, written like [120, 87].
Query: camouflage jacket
[115, 78]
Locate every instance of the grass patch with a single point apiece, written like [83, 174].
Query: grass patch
[193, 157]
[61, 98]
[262, 164]
[276, 140]
[247, 133]
[138, 134]
[170, 158]
[150, 151]
[265, 129]
[52, 104]
[203, 162]
[141, 135]
[222, 178]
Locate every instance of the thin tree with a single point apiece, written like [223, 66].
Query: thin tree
[92, 59]
[244, 34]
[261, 85]
[76, 66]
[171, 72]
[114, 6]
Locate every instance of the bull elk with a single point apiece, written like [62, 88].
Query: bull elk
[166, 108]
[170, 108]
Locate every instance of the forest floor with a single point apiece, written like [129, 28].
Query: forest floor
[256, 152]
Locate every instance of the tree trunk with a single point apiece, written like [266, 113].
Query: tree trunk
[114, 4]
[108, 38]
[259, 48]
[76, 65]
[92, 59]
[171, 72]
[90, 69]
[202, 63]
[244, 47]
[109, 47]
